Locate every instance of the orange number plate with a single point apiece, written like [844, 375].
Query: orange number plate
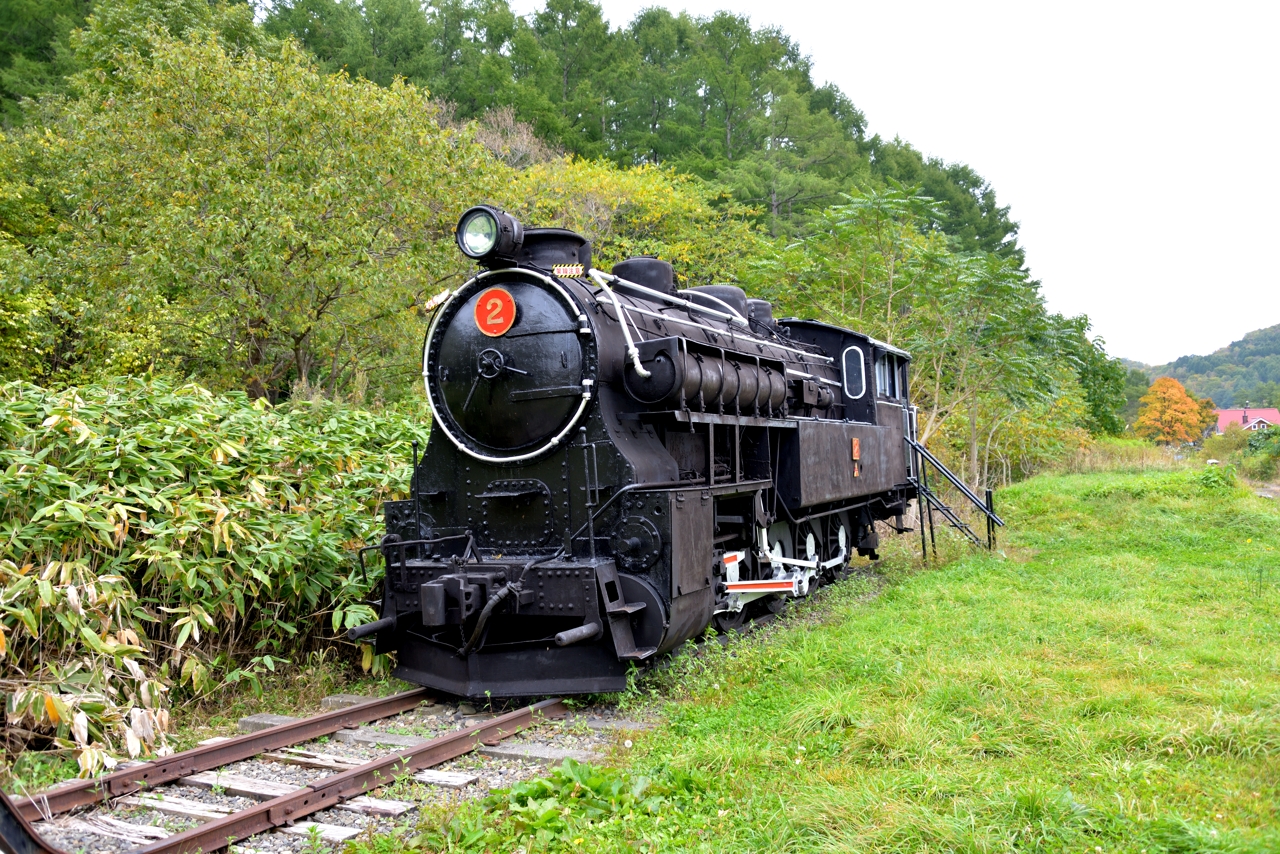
[495, 312]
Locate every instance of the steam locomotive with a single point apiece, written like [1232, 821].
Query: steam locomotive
[616, 464]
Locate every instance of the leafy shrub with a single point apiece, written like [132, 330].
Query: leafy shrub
[1263, 454]
[160, 537]
[1265, 442]
[1256, 453]
[1226, 445]
[557, 812]
[1214, 478]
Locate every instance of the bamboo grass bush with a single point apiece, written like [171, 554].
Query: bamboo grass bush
[160, 538]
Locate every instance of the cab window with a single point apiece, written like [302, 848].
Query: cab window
[885, 374]
[891, 373]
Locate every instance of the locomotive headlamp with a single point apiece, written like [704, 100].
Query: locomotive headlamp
[478, 234]
[488, 233]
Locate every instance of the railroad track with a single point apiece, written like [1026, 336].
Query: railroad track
[315, 779]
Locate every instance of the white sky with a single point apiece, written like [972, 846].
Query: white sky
[1136, 142]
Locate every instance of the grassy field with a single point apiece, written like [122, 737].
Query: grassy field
[1111, 682]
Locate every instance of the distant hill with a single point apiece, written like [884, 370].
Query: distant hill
[1245, 370]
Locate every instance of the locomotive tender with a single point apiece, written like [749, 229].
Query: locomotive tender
[615, 464]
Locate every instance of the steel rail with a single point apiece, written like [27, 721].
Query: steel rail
[323, 794]
[158, 771]
[17, 836]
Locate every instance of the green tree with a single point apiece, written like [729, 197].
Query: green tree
[119, 30]
[1136, 383]
[207, 209]
[1102, 378]
[1265, 394]
[967, 209]
[738, 107]
[657, 112]
[805, 158]
[253, 222]
[574, 75]
[732, 63]
[479, 44]
[336, 32]
[400, 43]
[863, 264]
[35, 51]
[996, 377]
[467, 52]
[711, 97]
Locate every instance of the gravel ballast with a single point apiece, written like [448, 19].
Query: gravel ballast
[596, 731]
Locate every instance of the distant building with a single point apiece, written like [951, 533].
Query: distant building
[1250, 419]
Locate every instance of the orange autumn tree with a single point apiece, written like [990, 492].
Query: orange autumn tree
[1169, 415]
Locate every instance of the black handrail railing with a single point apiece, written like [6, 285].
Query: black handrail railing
[956, 482]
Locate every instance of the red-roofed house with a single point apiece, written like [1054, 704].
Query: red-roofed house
[1250, 419]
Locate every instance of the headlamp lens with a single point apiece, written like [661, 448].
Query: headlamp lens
[479, 233]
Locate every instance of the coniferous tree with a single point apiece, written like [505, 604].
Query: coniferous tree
[574, 74]
[711, 97]
[658, 112]
[968, 210]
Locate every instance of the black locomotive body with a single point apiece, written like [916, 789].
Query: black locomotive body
[615, 465]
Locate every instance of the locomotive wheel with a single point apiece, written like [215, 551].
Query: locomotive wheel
[839, 539]
[808, 543]
[812, 545]
[781, 542]
[730, 621]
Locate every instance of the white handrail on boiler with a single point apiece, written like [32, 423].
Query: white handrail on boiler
[692, 307]
[602, 279]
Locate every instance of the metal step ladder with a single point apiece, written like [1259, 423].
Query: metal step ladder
[619, 612]
[953, 520]
[930, 500]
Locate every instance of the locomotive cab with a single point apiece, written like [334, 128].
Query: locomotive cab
[616, 464]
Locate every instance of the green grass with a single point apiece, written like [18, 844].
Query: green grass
[1111, 684]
